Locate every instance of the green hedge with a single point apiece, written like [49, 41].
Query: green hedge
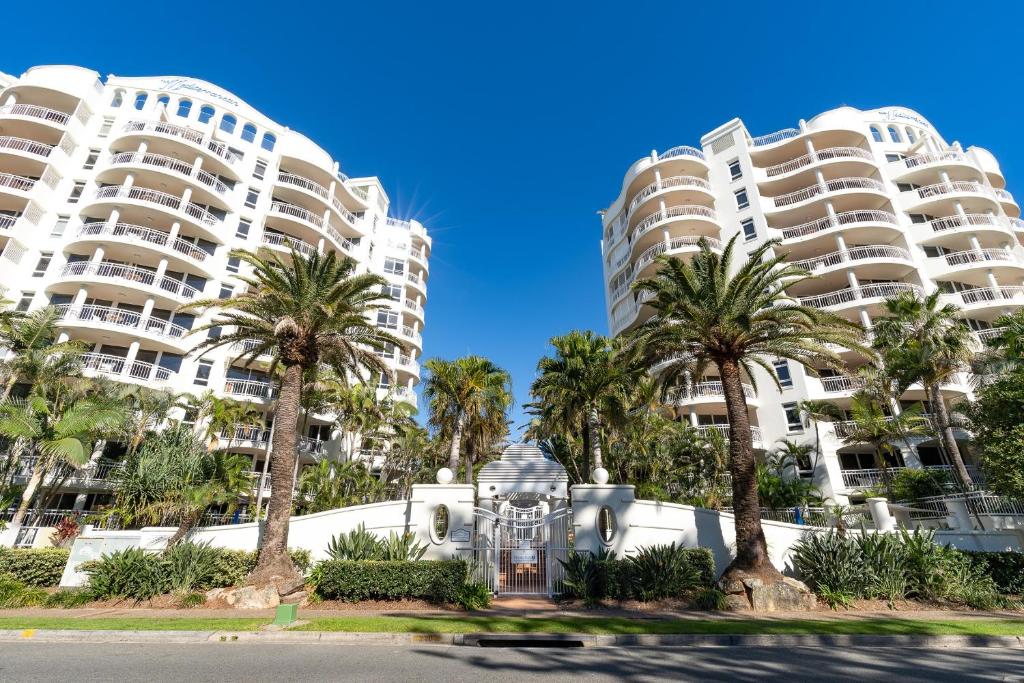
[34, 567]
[234, 565]
[1005, 568]
[439, 581]
[621, 579]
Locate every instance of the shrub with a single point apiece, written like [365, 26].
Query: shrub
[583, 577]
[474, 596]
[68, 598]
[35, 567]
[438, 581]
[911, 485]
[129, 573]
[191, 566]
[1005, 568]
[191, 600]
[655, 572]
[358, 544]
[661, 571]
[829, 562]
[14, 593]
[710, 599]
[404, 547]
[885, 560]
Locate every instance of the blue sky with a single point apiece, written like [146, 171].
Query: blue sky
[504, 127]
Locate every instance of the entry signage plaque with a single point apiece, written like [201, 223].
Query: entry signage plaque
[524, 556]
[460, 535]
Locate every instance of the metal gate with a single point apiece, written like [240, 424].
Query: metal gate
[517, 553]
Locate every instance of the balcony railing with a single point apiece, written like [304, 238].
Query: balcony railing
[772, 138]
[960, 258]
[90, 474]
[169, 201]
[410, 333]
[119, 317]
[258, 435]
[685, 211]
[991, 333]
[667, 183]
[869, 291]
[16, 182]
[27, 146]
[870, 477]
[653, 252]
[840, 383]
[826, 154]
[835, 258]
[1017, 223]
[844, 218]
[706, 430]
[414, 307]
[297, 212]
[286, 242]
[964, 221]
[681, 151]
[706, 390]
[1003, 195]
[141, 234]
[7, 221]
[250, 388]
[103, 269]
[35, 112]
[923, 159]
[837, 185]
[982, 294]
[171, 164]
[305, 183]
[953, 186]
[219, 149]
[118, 366]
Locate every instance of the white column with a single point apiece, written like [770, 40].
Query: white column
[865, 319]
[12, 99]
[161, 269]
[147, 308]
[173, 234]
[115, 215]
[186, 197]
[80, 298]
[197, 166]
[143, 146]
[97, 255]
[657, 177]
[320, 245]
[693, 417]
[129, 180]
[809, 147]
[879, 508]
[129, 360]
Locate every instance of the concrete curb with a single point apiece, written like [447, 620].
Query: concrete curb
[512, 639]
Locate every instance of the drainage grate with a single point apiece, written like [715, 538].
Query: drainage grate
[562, 643]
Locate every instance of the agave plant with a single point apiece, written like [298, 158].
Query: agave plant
[662, 571]
[358, 544]
[404, 547]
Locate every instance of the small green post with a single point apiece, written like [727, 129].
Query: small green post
[286, 614]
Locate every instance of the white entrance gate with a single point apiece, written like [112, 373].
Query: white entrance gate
[518, 552]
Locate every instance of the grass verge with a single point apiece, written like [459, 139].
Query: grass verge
[131, 624]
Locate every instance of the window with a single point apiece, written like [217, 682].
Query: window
[242, 232]
[742, 201]
[269, 141]
[393, 291]
[793, 421]
[140, 100]
[260, 171]
[108, 123]
[205, 114]
[118, 98]
[876, 134]
[749, 231]
[184, 108]
[233, 264]
[25, 301]
[910, 135]
[44, 263]
[164, 100]
[394, 266]
[226, 291]
[214, 332]
[76, 192]
[735, 172]
[388, 351]
[894, 157]
[251, 197]
[894, 134]
[387, 320]
[227, 123]
[90, 161]
[782, 372]
[60, 226]
[248, 132]
[203, 370]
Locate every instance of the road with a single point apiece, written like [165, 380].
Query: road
[426, 663]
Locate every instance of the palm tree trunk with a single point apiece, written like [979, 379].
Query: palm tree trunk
[751, 548]
[9, 387]
[948, 440]
[274, 565]
[469, 461]
[453, 454]
[188, 521]
[594, 429]
[38, 470]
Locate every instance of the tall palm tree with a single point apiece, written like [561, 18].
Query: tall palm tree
[588, 381]
[710, 313]
[461, 391]
[817, 411]
[922, 340]
[304, 311]
[36, 352]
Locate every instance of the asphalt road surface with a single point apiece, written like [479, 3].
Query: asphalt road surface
[428, 663]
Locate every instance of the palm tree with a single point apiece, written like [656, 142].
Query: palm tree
[871, 424]
[709, 315]
[306, 311]
[1003, 351]
[922, 340]
[218, 416]
[817, 411]
[148, 410]
[360, 415]
[462, 391]
[588, 381]
[36, 352]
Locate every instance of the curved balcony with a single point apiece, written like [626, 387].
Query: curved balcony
[845, 220]
[316, 189]
[723, 430]
[850, 295]
[254, 439]
[146, 280]
[938, 192]
[25, 148]
[774, 138]
[412, 335]
[308, 221]
[123, 320]
[838, 258]
[119, 368]
[687, 212]
[16, 184]
[33, 112]
[677, 245]
[417, 281]
[841, 384]
[982, 297]
[7, 221]
[217, 151]
[976, 256]
[407, 364]
[970, 220]
[140, 235]
[419, 258]
[1007, 200]
[911, 165]
[702, 391]
[194, 214]
[287, 244]
[250, 389]
[172, 166]
[667, 185]
[682, 151]
[816, 157]
[831, 186]
[1017, 224]
[414, 307]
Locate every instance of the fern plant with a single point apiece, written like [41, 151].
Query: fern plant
[358, 544]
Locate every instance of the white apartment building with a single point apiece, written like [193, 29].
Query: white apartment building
[871, 202]
[121, 198]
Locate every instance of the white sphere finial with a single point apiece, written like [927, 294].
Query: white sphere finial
[600, 475]
[445, 476]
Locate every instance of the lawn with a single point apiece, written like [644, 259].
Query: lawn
[586, 625]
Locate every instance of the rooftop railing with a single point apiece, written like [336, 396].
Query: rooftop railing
[681, 151]
[772, 138]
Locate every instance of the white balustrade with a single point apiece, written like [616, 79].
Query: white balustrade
[170, 163]
[772, 138]
[684, 211]
[665, 184]
[24, 145]
[130, 232]
[827, 154]
[103, 269]
[119, 317]
[164, 199]
[249, 388]
[36, 112]
[837, 185]
[977, 256]
[839, 383]
[118, 366]
[275, 239]
[835, 258]
[867, 291]
[16, 182]
[219, 149]
[840, 219]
